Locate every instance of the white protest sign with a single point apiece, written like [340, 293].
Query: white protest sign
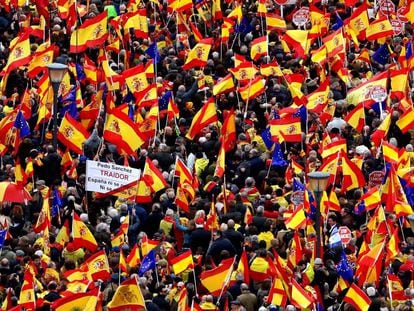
[103, 177]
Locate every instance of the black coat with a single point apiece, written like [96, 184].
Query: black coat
[219, 245]
[200, 238]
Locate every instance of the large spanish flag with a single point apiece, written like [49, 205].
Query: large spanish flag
[204, 117]
[356, 297]
[97, 266]
[359, 20]
[128, 296]
[40, 60]
[214, 280]
[334, 43]
[91, 33]
[199, 54]
[121, 131]
[244, 71]
[72, 134]
[298, 39]
[252, 89]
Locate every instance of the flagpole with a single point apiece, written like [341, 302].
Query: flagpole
[195, 282]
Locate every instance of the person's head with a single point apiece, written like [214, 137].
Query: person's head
[332, 220]
[217, 235]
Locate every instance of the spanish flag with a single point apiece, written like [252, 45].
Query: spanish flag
[138, 22]
[299, 297]
[253, 89]
[43, 220]
[128, 295]
[97, 266]
[275, 22]
[39, 61]
[224, 85]
[228, 131]
[19, 55]
[215, 279]
[352, 175]
[379, 28]
[196, 33]
[135, 78]
[204, 117]
[198, 56]
[288, 126]
[133, 258]
[27, 298]
[334, 43]
[91, 33]
[271, 69]
[244, 71]
[356, 118]
[297, 219]
[318, 100]
[277, 295]
[121, 131]
[359, 20]
[182, 171]
[220, 163]
[72, 134]
[182, 262]
[82, 236]
[82, 301]
[381, 131]
[237, 13]
[406, 120]
[298, 39]
[334, 147]
[258, 48]
[152, 176]
[390, 153]
[356, 297]
[180, 5]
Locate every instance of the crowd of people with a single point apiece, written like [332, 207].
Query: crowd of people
[245, 208]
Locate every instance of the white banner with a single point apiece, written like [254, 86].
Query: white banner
[103, 177]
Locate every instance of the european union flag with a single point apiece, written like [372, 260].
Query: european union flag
[278, 159]
[3, 234]
[80, 73]
[164, 100]
[152, 51]
[244, 27]
[131, 112]
[345, 269]
[382, 55]
[148, 263]
[338, 22]
[129, 97]
[297, 185]
[301, 113]
[21, 124]
[267, 138]
[408, 50]
[56, 203]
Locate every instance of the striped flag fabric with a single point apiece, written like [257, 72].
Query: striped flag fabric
[356, 297]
